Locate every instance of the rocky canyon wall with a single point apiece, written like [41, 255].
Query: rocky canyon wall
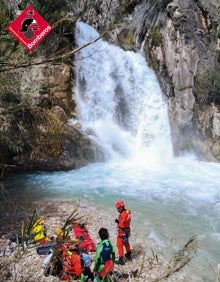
[180, 40]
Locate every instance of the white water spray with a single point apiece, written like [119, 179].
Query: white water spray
[119, 99]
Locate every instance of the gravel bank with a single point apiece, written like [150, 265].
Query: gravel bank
[28, 266]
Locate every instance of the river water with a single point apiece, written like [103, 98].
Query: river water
[120, 104]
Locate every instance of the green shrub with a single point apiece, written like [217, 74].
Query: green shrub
[49, 135]
[51, 10]
[17, 123]
[6, 15]
[156, 37]
[212, 88]
[27, 128]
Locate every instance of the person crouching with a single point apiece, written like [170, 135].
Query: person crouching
[72, 267]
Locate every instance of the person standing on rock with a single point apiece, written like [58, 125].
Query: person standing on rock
[123, 232]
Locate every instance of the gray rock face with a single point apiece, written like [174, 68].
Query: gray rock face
[189, 54]
[183, 57]
[78, 150]
[180, 43]
[48, 85]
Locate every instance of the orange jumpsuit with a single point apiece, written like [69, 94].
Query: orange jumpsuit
[72, 267]
[124, 219]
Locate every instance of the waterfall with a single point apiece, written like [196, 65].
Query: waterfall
[119, 100]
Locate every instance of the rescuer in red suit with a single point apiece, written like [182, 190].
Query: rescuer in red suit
[123, 224]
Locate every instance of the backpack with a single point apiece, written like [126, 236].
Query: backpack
[106, 252]
[128, 218]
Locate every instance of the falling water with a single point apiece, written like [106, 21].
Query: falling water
[119, 99]
[121, 106]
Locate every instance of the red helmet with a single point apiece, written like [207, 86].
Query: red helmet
[120, 204]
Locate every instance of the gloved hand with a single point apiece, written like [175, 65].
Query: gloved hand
[116, 220]
[124, 238]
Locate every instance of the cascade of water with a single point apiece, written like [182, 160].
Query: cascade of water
[119, 99]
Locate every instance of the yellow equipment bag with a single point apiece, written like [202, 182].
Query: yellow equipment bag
[38, 230]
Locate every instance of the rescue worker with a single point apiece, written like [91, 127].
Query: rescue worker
[123, 232]
[105, 256]
[71, 264]
[71, 260]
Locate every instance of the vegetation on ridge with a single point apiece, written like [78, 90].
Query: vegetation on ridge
[212, 88]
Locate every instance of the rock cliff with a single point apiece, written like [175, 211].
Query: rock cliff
[186, 53]
[180, 40]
